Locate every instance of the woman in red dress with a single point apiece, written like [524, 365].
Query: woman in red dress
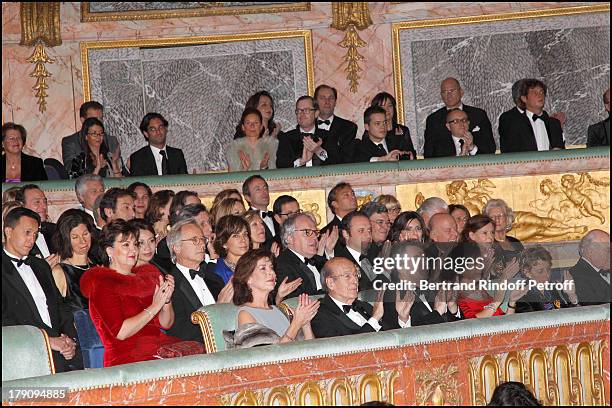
[129, 307]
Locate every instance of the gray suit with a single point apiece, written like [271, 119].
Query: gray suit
[71, 147]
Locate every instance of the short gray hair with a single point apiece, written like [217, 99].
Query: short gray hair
[499, 203]
[431, 204]
[588, 240]
[81, 183]
[289, 226]
[175, 235]
[325, 273]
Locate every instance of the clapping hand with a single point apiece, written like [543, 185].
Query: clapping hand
[306, 155]
[306, 310]
[570, 287]
[263, 165]
[275, 249]
[510, 270]
[403, 305]
[227, 293]
[286, 288]
[245, 160]
[379, 309]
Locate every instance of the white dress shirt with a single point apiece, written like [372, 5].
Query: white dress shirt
[357, 317]
[323, 125]
[457, 143]
[268, 221]
[42, 245]
[322, 154]
[539, 130]
[158, 158]
[33, 285]
[198, 285]
[313, 269]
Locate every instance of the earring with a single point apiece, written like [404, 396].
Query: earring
[110, 259]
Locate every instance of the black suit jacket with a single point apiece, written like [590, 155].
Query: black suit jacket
[331, 321]
[32, 168]
[289, 265]
[270, 238]
[19, 308]
[439, 141]
[591, 289]
[142, 162]
[516, 133]
[185, 301]
[290, 146]
[419, 313]
[47, 229]
[340, 250]
[598, 134]
[366, 149]
[343, 132]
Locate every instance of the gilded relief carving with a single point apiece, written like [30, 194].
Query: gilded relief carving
[438, 386]
[312, 201]
[473, 198]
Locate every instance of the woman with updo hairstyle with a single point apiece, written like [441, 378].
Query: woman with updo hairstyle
[480, 230]
[408, 226]
[254, 281]
[232, 240]
[503, 216]
[264, 103]
[227, 193]
[146, 241]
[158, 212]
[228, 206]
[251, 150]
[129, 306]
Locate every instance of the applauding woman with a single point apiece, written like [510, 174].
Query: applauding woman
[251, 150]
[95, 158]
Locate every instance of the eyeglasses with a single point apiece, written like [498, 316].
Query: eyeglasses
[291, 213]
[394, 210]
[457, 121]
[196, 240]
[310, 232]
[498, 216]
[13, 139]
[348, 276]
[307, 110]
[382, 223]
[156, 129]
[96, 134]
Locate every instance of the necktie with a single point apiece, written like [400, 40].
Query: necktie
[323, 122]
[164, 161]
[381, 149]
[193, 273]
[536, 117]
[265, 214]
[461, 143]
[347, 308]
[20, 262]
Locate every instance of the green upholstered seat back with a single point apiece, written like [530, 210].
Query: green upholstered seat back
[25, 353]
[213, 319]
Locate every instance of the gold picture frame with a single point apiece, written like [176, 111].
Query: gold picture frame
[397, 27]
[306, 35]
[88, 16]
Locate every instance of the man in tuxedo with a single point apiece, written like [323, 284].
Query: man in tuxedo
[29, 294]
[71, 145]
[430, 207]
[194, 285]
[440, 141]
[529, 127]
[342, 131]
[307, 145]
[598, 134]
[117, 204]
[375, 144]
[458, 124]
[34, 199]
[283, 207]
[341, 313]
[379, 220]
[592, 271]
[255, 191]
[156, 158]
[341, 200]
[88, 188]
[299, 257]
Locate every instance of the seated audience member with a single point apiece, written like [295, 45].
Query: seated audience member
[263, 102]
[128, 305]
[227, 193]
[379, 220]
[258, 232]
[98, 220]
[513, 394]
[461, 215]
[142, 196]
[420, 307]
[73, 238]
[88, 188]
[158, 212]
[146, 242]
[73, 147]
[250, 150]
[528, 127]
[342, 130]
[443, 235]
[117, 204]
[378, 145]
[10, 194]
[598, 134]
[341, 201]
[157, 158]
[232, 240]
[430, 207]
[95, 156]
[306, 145]
[395, 130]
[29, 296]
[409, 226]
[257, 194]
[34, 198]
[592, 271]
[283, 207]
[394, 207]
[229, 206]
[536, 265]
[16, 165]
[195, 286]
[299, 257]
[457, 129]
[503, 216]
[254, 282]
[6, 207]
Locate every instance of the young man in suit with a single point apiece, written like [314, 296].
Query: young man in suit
[194, 285]
[29, 294]
[156, 158]
[117, 204]
[342, 131]
[439, 140]
[592, 271]
[256, 192]
[306, 145]
[528, 127]
[341, 200]
[375, 144]
[598, 134]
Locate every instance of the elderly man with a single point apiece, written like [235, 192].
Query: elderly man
[599, 133]
[341, 313]
[195, 287]
[431, 207]
[440, 140]
[592, 271]
[87, 188]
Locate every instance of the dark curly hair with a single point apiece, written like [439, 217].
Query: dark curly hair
[117, 229]
[402, 221]
[244, 269]
[513, 394]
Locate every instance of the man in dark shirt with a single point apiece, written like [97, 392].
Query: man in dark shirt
[598, 134]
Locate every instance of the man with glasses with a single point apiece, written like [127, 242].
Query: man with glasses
[379, 221]
[194, 285]
[378, 145]
[307, 145]
[157, 158]
[439, 140]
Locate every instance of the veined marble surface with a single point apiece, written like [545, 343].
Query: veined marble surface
[121, 6]
[570, 54]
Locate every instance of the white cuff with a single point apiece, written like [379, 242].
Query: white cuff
[375, 325]
[473, 151]
[322, 155]
[374, 159]
[296, 163]
[404, 325]
[329, 255]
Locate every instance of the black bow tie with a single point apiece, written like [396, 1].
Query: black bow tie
[20, 262]
[265, 214]
[193, 273]
[304, 134]
[309, 261]
[536, 117]
[347, 308]
[362, 257]
[323, 122]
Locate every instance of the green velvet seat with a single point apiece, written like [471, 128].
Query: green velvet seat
[26, 352]
[213, 319]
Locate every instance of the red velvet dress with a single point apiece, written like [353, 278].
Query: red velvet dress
[114, 297]
[470, 307]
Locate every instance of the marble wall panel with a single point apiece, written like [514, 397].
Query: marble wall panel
[115, 6]
[200, 90]
[571, 54]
